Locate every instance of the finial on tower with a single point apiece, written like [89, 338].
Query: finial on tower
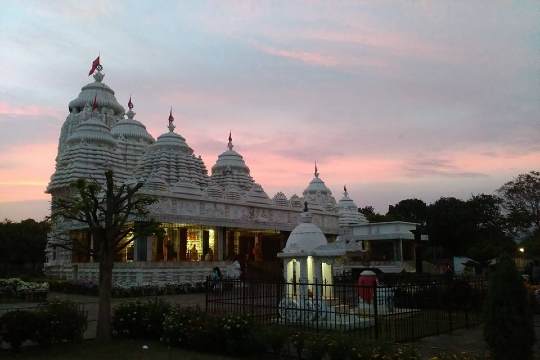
[130, 113]
[345, 193]
[230, 145]
[171, 120]
[316, 173]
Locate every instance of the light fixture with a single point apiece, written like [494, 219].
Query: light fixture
[522, 250]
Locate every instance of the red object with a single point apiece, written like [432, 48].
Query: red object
[130, 104]
[366, 287]
[94, 104]
[95, 64]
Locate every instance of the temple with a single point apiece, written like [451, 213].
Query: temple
[209, 218]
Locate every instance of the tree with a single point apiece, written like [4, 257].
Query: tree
[487, 238]
[371, 215]
[521, 199]
[448, 224]
[508, 327]
[412, 210]
[22, 246]
[110, 213]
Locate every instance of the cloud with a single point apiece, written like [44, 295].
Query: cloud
[437, 167]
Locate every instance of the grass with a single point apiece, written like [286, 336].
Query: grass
[115, 350]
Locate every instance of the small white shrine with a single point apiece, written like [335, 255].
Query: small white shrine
[308, 258]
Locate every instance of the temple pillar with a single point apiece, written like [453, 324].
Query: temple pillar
[303, 277]
[220, 238]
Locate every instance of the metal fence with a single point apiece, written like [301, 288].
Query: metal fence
[397, 312]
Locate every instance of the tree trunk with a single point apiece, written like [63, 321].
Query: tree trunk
[105, 292]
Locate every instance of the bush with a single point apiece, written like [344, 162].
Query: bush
[22, 325]
[188, 328]
[193, 329]
[275, 337]
[237, 334]
[65, 321]
[59, 321]
[140, 320]
[509, 328]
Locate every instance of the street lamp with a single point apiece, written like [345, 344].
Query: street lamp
[522, 250]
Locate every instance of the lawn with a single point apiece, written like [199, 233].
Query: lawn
[116, 350]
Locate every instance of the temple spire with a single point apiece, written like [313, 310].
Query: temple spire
[171, 120]
[130, 113]
[230, 144]
[316, 172]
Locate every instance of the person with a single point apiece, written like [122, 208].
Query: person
[216, 278]
[367, 283]
[193, 253]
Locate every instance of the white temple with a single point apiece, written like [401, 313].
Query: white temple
[209, 219]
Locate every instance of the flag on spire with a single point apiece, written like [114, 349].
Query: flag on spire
[94, 104]
[345, 188]
[130, 104]
[230, 136]
[316, 170]
[95, 64]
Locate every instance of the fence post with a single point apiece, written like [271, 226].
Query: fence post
[317, 315]
[206, 295]
[376, 311]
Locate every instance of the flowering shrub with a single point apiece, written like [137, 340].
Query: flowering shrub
[59, 321]
[276, 337]
[65, 321]
[237, 333]
[188, 328]
[91, 288]
[140, 320]
[193, 329]
[15, 288]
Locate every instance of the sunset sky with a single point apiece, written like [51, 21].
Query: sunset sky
[396, 99]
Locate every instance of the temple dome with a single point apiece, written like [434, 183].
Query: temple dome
[173, 160]
[230, 168]
[103, 94]
[87, 153]
[280, 199]
[348, 211]
[305, 237]
[131, 129]
[318, 195]
[257, 195]
[92, 130]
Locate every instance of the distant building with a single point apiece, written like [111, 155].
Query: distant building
[209, 218]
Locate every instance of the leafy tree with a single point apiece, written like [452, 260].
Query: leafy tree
[371, 215]
[508, 328]
[448, 224]
[413, 210]
[109, 212]
[22, 246]
[521, 199]
[487, 238]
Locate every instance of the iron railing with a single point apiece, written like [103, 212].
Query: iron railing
[397, 312]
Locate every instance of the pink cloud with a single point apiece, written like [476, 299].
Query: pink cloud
[302, 56]
[26, 110]
[27, 172]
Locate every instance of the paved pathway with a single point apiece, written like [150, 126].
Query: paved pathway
[465, 340]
